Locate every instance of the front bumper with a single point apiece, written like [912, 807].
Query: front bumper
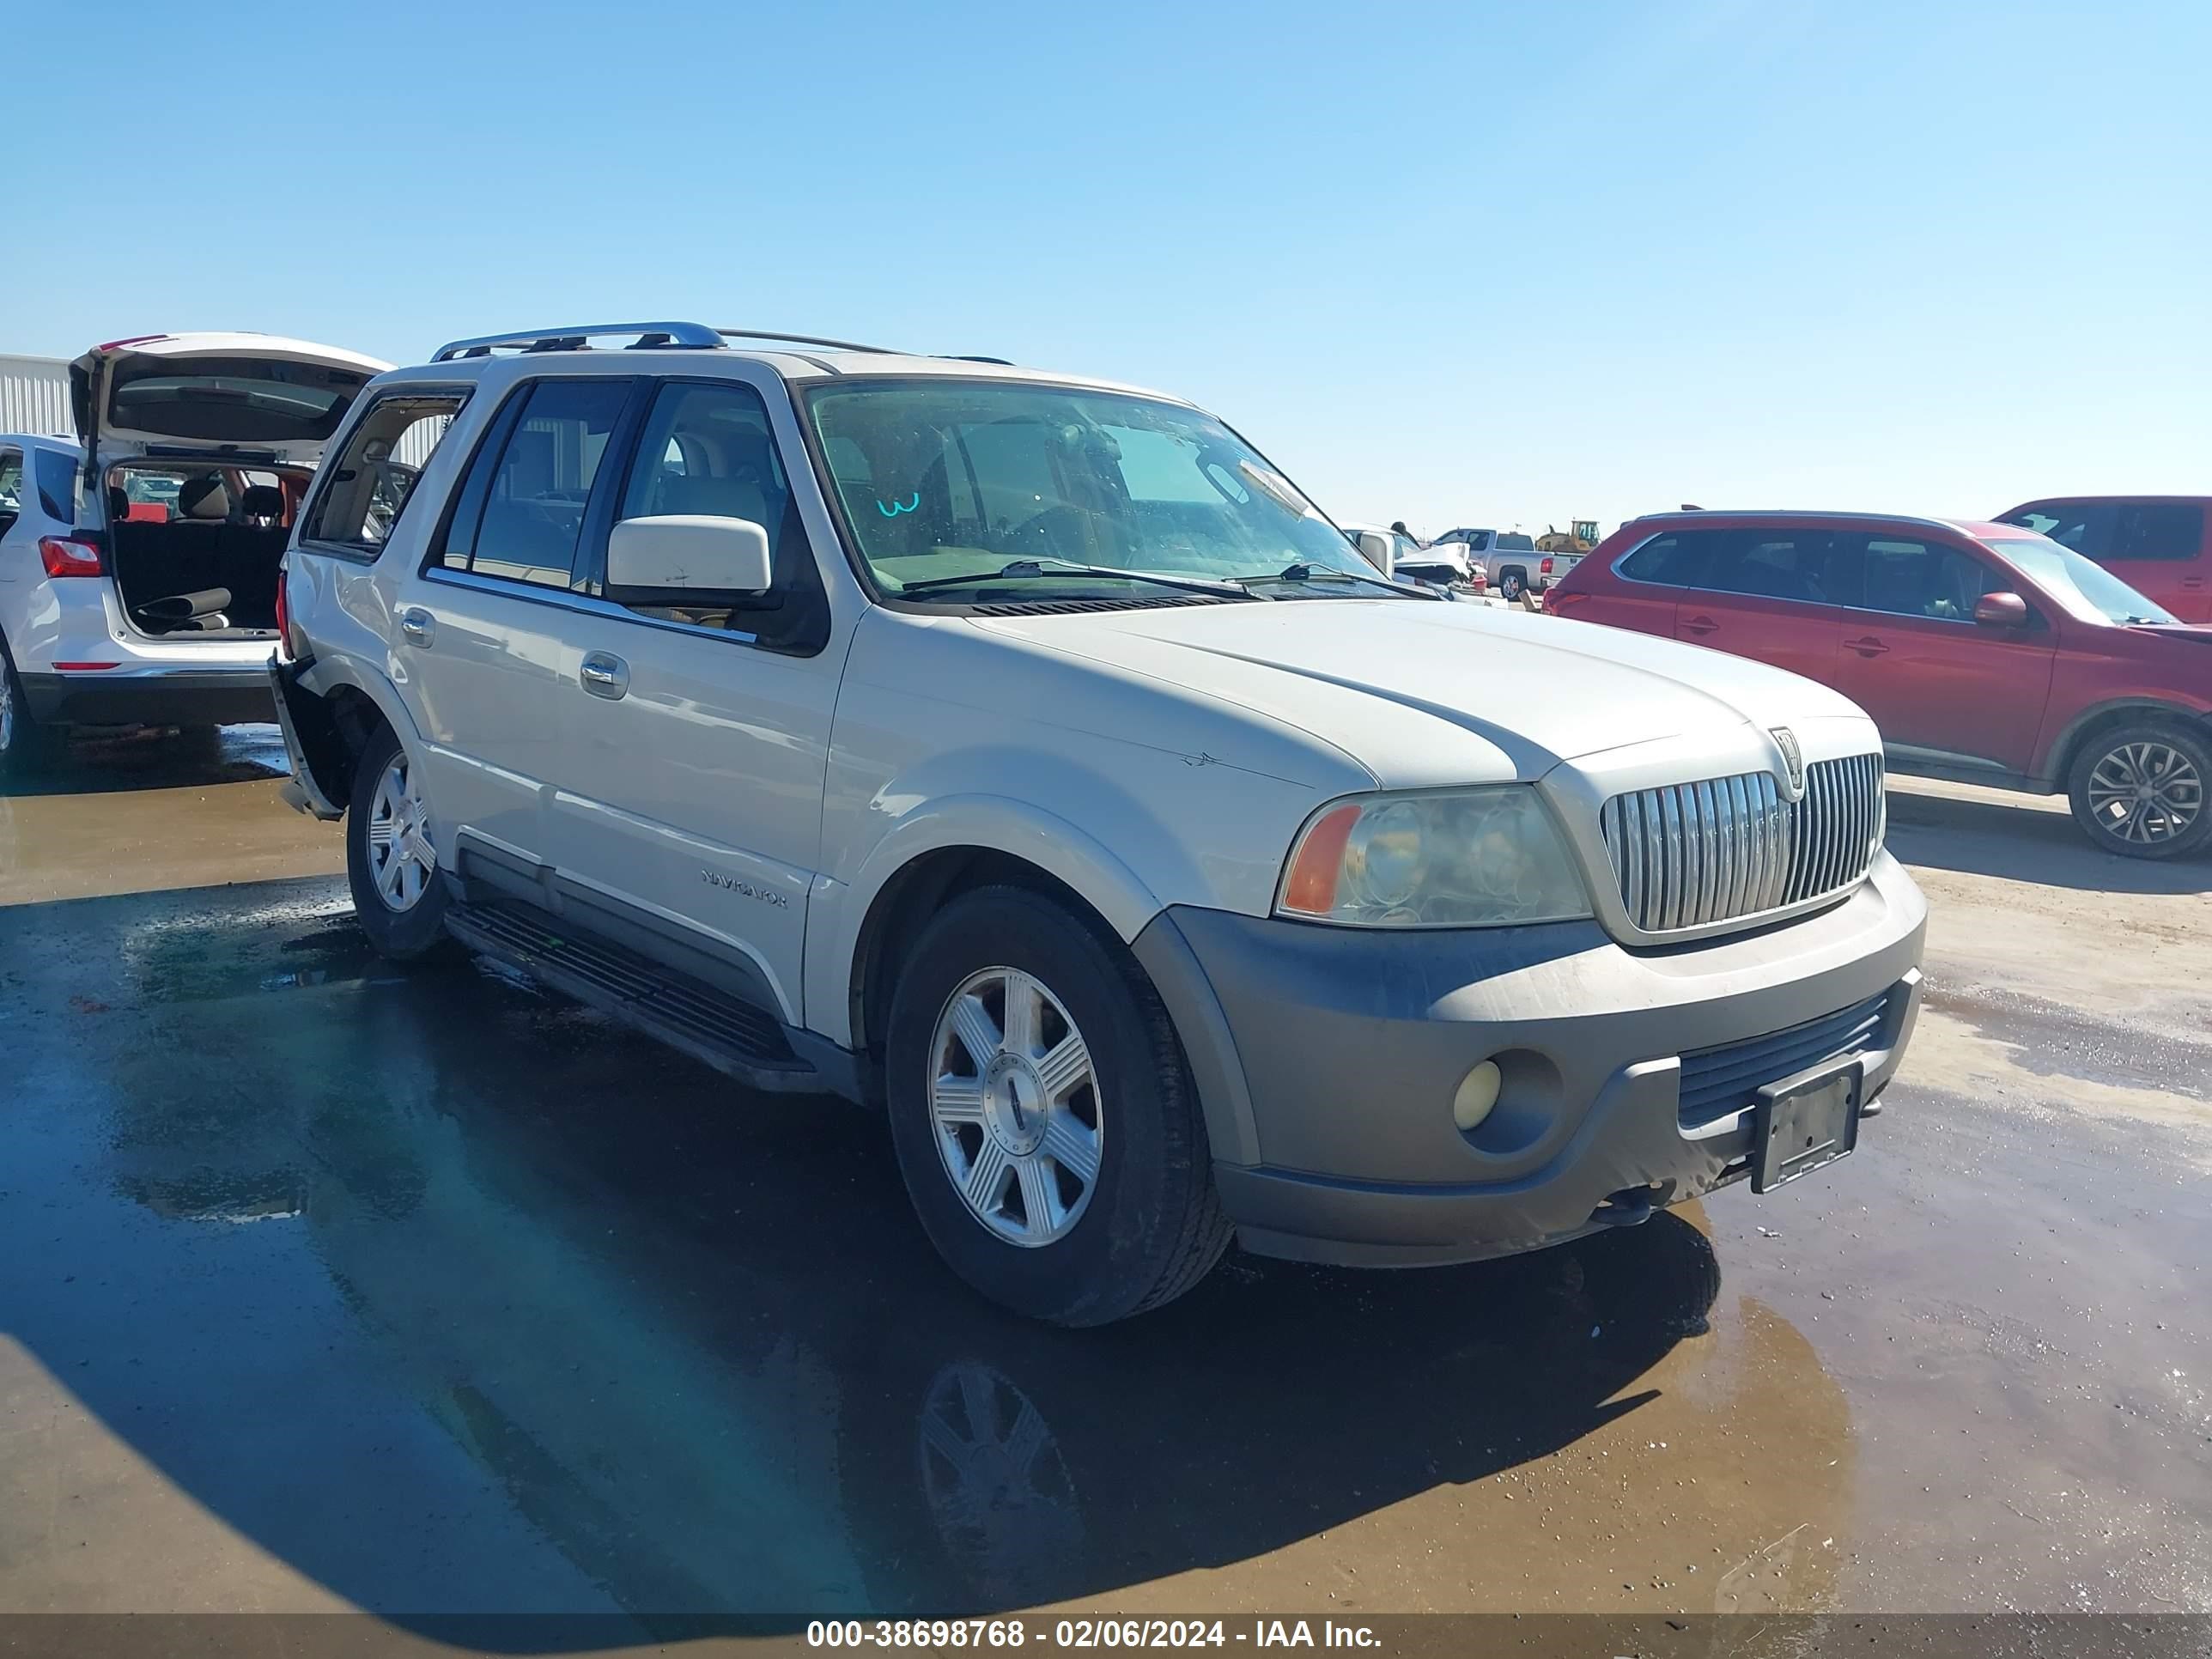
[1327, 1059]
[150, 696]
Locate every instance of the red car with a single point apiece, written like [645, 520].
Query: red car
[2159, 546]
[1987, 654]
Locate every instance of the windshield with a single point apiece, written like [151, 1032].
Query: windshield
[2085, 587]
[948, 483]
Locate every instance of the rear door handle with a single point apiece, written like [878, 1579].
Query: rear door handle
[416, 625]
[1868, 646]
[603, 674]
[1698, 624]
[2192, 581]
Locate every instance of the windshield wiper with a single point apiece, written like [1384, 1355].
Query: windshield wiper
[1313, 572]
[1022, 569]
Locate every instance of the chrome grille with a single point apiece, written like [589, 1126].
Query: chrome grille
[1691, 855]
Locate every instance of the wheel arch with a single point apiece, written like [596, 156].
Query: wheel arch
[355, 703]
[2085, 726]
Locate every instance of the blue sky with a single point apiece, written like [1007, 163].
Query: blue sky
[1460, 264]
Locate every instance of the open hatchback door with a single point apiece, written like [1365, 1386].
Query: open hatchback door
[198, 449]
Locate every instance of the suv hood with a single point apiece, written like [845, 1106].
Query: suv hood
[244, 395]
[1424, 694]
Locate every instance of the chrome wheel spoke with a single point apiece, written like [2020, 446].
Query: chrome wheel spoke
[401, 858]
[1041, 1209]
[1071, 1145]
[1021, 1020]
[958, 1100]
[1065, 1068]
[987, 1178]
[978, 1035]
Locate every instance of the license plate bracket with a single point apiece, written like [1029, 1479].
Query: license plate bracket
[1804, 1122]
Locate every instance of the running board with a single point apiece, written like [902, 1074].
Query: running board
[733, 1036]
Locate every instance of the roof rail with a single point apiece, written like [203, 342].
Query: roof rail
[774, 336]
[647, 335]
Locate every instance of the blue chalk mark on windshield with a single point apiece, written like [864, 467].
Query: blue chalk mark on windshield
[895, 508]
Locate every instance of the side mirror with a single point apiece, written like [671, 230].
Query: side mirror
[2001, 610]
[1375, 548]
[687, 559]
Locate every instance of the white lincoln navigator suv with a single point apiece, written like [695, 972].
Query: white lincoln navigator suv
[1026, 757]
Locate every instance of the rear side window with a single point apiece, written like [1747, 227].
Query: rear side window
[57, 481]
[521, 512]
[1674, 560]
[2158, 531]
[1771, 564]
[364, 492]
[11, 488]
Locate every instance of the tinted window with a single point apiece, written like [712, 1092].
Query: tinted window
[1922, 579]
[364, 491]
[709, 449]
[57, 480]
[523, 509]
[2085, 527]
[1771, 564]
[230, 399]
[11, 489]
[2159, 530]
[1512, 541]
[1674, 559]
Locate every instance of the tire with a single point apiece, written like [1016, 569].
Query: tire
[1511, 585]
[27, 748]
[412, 925]
[1147, 1226]
[2140, 789]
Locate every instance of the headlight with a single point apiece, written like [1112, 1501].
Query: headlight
[1462, 858]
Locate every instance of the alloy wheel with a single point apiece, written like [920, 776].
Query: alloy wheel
[400, 859]
[2146, 792]
[1014, 1106]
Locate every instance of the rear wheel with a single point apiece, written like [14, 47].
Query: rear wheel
[391, 863]
[26, 747]
[2138, 789]
[1044, 1116]
[1511, 585]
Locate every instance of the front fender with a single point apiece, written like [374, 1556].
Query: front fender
[838, 911]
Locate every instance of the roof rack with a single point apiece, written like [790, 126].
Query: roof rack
[661, 335]
[653, 337]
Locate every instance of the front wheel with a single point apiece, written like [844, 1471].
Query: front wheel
[2138, 790]
[391, 863]
[1044, 1116]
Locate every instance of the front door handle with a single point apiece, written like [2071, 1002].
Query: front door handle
[2192, 582]
[1699, 624]
[416, 625]
[603, 674]
[1868, 646]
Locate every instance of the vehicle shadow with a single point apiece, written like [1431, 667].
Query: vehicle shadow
[2016, 840]
[154, 758]
[691, 1337]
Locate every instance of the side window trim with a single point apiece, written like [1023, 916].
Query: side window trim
[629, 432]
[310, 510]
[474, 494]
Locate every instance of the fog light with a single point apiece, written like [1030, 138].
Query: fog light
[1477, 1093]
